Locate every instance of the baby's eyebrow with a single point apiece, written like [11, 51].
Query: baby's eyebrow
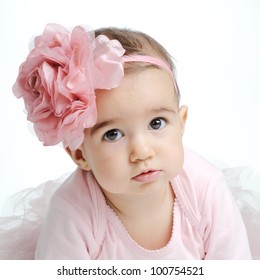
[163, 109]
[101, 124]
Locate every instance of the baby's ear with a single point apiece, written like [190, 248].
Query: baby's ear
[183, 113]
[78, 158]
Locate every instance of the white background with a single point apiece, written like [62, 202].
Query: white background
[215, 43]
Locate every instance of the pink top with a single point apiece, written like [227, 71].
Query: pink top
[207, 223]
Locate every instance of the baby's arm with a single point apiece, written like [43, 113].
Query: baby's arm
[63, 235]
[224, 232]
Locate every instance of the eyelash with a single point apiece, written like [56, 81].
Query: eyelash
[115, 132]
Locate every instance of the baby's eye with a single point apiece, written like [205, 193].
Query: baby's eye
[157, 123]
[112, 135]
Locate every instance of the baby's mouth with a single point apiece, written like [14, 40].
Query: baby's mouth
[147, 176]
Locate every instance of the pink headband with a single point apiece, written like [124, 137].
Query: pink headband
[149, 59]
[59, 77]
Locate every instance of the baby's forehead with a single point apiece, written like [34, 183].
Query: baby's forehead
[146, 88]
[154, 79]
[160, 66]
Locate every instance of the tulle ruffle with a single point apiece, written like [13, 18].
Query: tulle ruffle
[245, 187]
[19, 231]
[24, 214]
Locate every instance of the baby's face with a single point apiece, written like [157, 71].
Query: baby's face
[136, 146]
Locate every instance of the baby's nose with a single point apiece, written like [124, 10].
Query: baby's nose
[140, 149]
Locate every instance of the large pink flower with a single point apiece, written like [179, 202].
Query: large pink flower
[58, 81]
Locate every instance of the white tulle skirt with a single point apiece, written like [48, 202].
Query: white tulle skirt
[19, 231]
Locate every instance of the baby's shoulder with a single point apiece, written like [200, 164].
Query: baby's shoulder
[198, 173]
[76, 210]
[196, 182]
[197, 166]
[80, 195]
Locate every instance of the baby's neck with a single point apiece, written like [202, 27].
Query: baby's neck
[140, 207]
[146, 215]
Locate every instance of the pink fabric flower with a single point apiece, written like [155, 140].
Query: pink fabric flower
[58, 81]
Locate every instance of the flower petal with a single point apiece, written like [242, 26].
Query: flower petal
[58, 80]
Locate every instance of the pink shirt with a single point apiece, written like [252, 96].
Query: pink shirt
[206, 225]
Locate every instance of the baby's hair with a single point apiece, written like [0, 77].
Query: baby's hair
[139, 43]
